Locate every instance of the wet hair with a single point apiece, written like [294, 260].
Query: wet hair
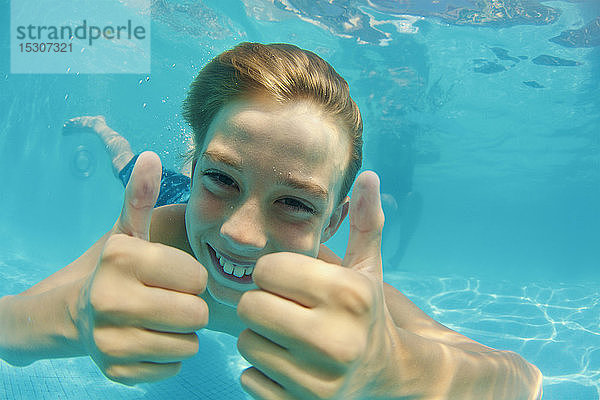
[283, 72]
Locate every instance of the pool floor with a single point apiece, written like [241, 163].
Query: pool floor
[555, 327]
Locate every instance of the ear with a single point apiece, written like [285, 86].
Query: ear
[336, 219]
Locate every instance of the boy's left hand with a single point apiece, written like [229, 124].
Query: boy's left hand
[320, 330]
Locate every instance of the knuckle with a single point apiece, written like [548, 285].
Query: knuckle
[127, 254]
[120, 374]
[116, 252]
[112, 372]
[203, 279]
[327, 389]
[194, 344]
[109, 345]
[244, 343]
[247, 303]
[172, 369]
[345, 352]
[188, 346]
[102, 302]
[261, 267]
[353, 293]
[267, 263]
[344, 346]
[198, 313]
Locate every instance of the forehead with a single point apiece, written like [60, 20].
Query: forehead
[299, 128]
[296, 137]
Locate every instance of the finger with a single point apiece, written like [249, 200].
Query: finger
[177, 270]
[132, 374]
[141, 194]
[294, 375]
[155, 264]
[257, 385]
[282, 321]
[169, 311]
[331, 346]
[127, 345]
[296, 277]
[363, 252]
[153, 308]
[310, 282]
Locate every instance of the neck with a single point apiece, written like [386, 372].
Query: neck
[222, 318]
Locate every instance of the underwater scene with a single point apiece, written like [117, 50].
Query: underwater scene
[481, 119]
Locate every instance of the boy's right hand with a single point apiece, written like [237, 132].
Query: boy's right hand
[138, 311]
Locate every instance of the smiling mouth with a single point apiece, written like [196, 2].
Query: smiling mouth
[239, 273]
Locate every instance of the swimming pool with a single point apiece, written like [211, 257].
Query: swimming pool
[500, 115]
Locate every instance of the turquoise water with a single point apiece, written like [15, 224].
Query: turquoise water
[506, 246]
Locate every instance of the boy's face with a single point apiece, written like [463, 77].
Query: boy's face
[266, 181]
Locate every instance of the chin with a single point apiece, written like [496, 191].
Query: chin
[224, 295]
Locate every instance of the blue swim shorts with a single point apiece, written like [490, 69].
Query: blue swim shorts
[174, 187]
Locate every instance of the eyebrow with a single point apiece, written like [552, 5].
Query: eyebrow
[218, 157]
[312, 188]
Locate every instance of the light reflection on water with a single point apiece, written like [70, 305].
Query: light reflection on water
[555, 327]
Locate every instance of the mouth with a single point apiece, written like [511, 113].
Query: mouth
[229, 269]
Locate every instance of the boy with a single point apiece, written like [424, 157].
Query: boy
[277, 146]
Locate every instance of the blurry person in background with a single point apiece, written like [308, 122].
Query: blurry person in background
[393, 157]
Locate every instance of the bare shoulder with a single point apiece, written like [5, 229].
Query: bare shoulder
[168, 227]
[327, 255]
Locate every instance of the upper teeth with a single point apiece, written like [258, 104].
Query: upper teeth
[231, 268]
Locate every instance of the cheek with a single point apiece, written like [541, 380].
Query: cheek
[205, 207]
[304, 239]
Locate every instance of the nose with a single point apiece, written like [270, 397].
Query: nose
[244, 229]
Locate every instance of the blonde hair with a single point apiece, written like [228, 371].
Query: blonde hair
[283, 72]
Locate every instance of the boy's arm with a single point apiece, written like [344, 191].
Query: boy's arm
[471, 366]
[43, 314]
[76, 270]
[130, 304]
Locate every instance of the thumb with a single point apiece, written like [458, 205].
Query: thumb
[363, 252]
[141, 194]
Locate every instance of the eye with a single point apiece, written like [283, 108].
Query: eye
[219, 179]
[296, 205]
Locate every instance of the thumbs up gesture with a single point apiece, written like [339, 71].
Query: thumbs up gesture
[319, 330]
[139, 309]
